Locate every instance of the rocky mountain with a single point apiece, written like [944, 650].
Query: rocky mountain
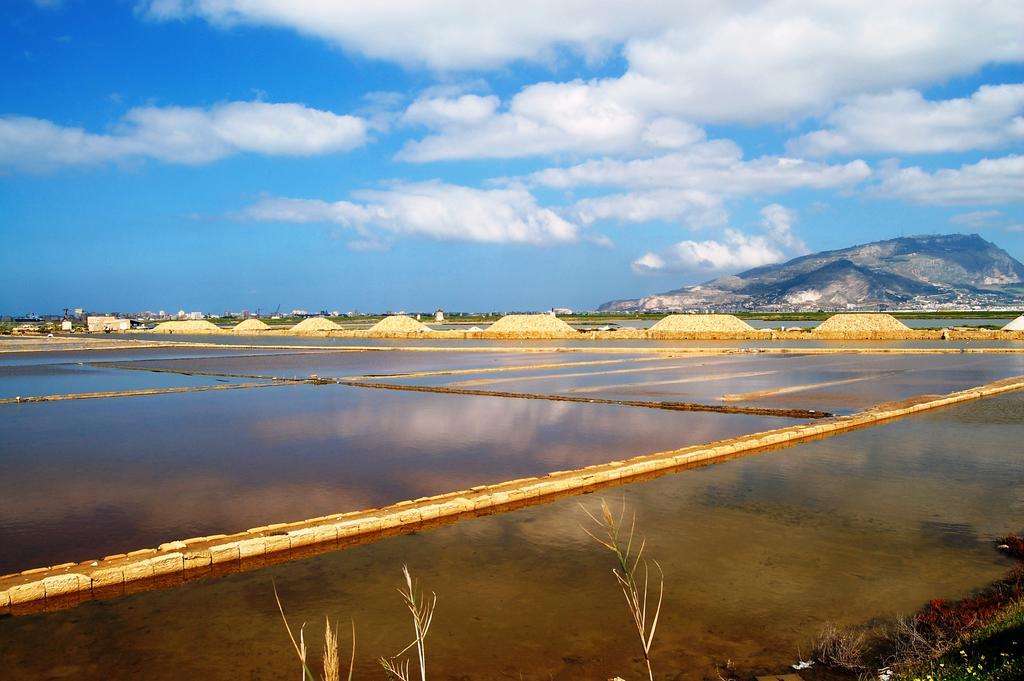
[933, 270]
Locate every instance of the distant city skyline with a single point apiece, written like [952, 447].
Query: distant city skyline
[229, 155]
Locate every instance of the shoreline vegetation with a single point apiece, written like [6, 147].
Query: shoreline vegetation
[977, 638]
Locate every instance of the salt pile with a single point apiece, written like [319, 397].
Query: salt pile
[518, 324]
[702, 323]
[1016, 325]
[314, 325]
[399, 323]
[190, 326]
[250, 326]
[861, 323]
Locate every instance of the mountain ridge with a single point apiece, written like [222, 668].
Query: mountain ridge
[915, 272]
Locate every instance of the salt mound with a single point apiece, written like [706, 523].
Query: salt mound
[314, 324]
[1016, 325]
[530, 323]
[702, 323]
[190, 326]
[250, 325]
[861, 323]
[399, 323]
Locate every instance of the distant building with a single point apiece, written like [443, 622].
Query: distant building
[79, 313]
[97, 324]
[439, 316]
[65, 325]
[181, 314]
[560, 310]
[196, 315]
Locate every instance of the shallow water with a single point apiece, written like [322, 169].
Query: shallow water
[758, 553]
[581, 344]
[837, 383]
[368, 363]
[88, 478]
[22, 358]
[63, 379]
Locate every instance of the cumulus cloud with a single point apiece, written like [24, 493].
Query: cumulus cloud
[443, 34]
[694, 207]
[542, 119]
[724, 61]
[688, 64]
[904, 121]
[433, 210]
[716, 166]
[180, 135]
[989, 181]
[736, 251]
[976, 219]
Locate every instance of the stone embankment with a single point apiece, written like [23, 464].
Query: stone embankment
[67, 584]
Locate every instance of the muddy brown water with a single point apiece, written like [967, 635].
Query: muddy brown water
[758, 553]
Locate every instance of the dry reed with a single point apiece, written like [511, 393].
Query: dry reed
[626, 574]
[422, 611]
[331, 662]
[841, 648]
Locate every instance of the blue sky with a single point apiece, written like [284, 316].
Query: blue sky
[228, 154]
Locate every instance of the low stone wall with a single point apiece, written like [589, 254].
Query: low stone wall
[59, 585]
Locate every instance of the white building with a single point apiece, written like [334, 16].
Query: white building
[97, 324]
[439, 316]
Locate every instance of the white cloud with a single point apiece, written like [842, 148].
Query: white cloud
[976, 219]
[903, 121]
[694, 207]
[542, 119]
[989, 181]
[778, 222]
[726, 60]
[736, 251]
[441, 34]
[716, 166]
[428, 209]
[180, 135]
[688, 64]
[447, 111]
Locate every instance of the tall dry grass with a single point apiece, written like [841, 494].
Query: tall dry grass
[331, 661]
[632, 573]
[422, 611]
